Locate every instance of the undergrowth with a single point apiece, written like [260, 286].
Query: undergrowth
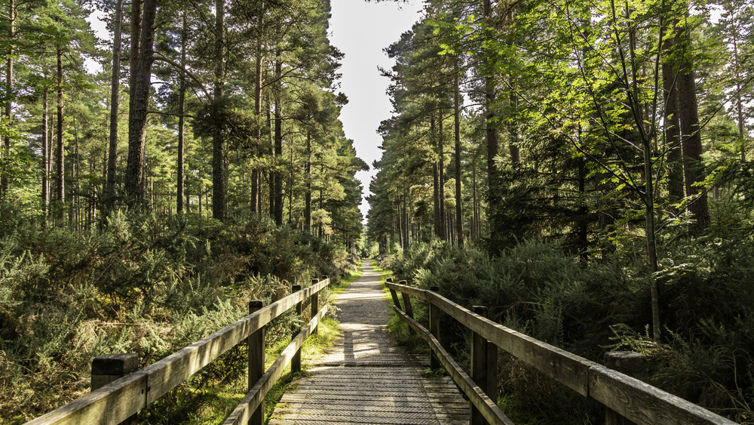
[589, 308]
[145, 284]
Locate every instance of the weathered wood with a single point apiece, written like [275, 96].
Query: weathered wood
[396, 301]
[476, 395]
[120, 399]
[483, 367]
[256, 361]
[407, 301]
[631, 398]
[566, 368]
[629, 363]
[167, 373]
[255, 398]
[296, 361]
[108, 405]
[643, 403]
[434, 329]
[314, 304]
[111, 367]
[417, 293]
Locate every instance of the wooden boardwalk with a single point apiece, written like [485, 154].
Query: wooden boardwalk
[365, 378]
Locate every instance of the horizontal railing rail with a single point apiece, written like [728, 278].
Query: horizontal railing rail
[119, 400]
[629, 397]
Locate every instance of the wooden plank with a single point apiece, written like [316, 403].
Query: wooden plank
[169, 372]
[242, 413]
[566, 368]
[410, 290]
[643, 403]
[478, 398]
[108, 405]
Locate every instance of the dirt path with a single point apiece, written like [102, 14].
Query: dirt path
[365, 378]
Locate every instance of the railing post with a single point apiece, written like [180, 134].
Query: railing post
[256, 361]
[315, 304]
[630, 363]
[296, 361]
[483, 367]
[109, 367]
[393, 294]
[407, 302]
[434, 329]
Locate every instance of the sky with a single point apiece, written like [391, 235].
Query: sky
[361, 30]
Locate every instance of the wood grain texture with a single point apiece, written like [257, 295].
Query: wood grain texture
[631, 398]
[119, 400]
[365, 378]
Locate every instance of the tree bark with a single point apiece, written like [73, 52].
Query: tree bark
[308, 196]
[60, 156]
[180, 184]
[255, 180]
[218, 145]
[4, 180]
[491, 132]
[457, 135]
[109, 200]
[672, 129]
[436, 181]
[278, 141]
[46, 148]
[691, 133]
[137, 125]
[441, 179]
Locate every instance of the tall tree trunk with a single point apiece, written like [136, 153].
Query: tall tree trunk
[255, 180]
[672, 129]
[513, 125]
[457, 135]
[475, 224]
[278, 141]
[441, 177]
[137, 125]
[218, 145]
[691, 133]
[271, 153]
[180, 188]
[60, 154]
[46, 148]
[739, 102]
[4, 181]
[489, 98]
[114, 103]
[308, 172]
[436, 180]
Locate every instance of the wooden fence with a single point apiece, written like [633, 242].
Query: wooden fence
[630, 398]
[119, 400]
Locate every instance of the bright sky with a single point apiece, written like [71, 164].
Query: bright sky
[361, 30]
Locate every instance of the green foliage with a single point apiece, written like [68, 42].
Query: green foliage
[588, 308]
[145, 284]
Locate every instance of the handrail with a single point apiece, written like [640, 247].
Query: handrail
[122, 398]
[629, 397]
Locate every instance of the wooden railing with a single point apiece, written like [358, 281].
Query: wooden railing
[122, 398]
[630, 398]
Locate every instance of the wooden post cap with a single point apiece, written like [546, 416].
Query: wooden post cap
[315, 280]
[295, 288]
[115, 364]
[479, 309]
[255, 305]
[403, 282]
[390, 279]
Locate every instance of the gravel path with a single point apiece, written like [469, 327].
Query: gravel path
[365, 378]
